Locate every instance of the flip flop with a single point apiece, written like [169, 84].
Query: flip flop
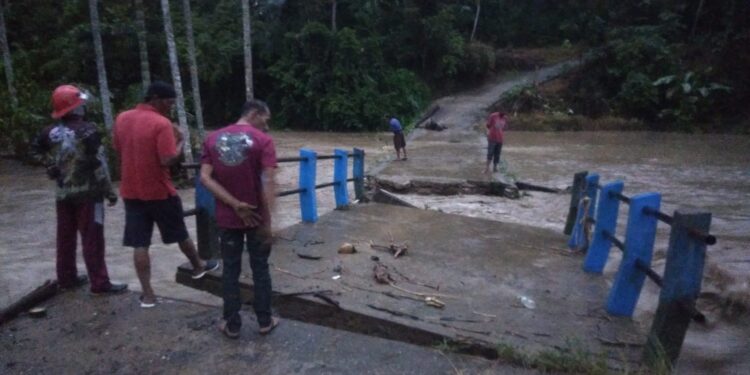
[266, 330]
[224, 328]
[146, 305]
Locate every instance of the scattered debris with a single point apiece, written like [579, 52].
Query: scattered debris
[310, 257]
[396, 250]
[38, 312]
[375, 258]
[527, 302]
[484, 314]
[289, 272]
[313, 242]
[380, 272]
[433, 125]
[434, 302]
[36, 296]
[347, 248]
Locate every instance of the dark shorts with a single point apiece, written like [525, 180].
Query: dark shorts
[140, 217]
[398, 140]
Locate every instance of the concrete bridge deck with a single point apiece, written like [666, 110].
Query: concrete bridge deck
[478, 268]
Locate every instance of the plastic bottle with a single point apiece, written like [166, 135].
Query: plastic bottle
[527, 302]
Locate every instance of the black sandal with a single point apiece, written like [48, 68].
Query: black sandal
[266, 330]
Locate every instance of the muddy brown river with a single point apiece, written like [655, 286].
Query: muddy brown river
[711, 172]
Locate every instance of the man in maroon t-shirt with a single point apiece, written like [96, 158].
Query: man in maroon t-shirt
[145, 140]
[238, 167]
[496, 125]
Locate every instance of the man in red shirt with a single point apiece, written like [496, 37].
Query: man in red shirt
[496, 125]
[238, 166]
[145, 140]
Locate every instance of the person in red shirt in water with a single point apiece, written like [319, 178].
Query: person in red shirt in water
[145, 140]
[496, 125]
[238, 165]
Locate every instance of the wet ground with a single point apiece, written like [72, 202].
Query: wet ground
[181, 338]
[500, 283]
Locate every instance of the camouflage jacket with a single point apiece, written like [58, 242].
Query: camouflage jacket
[73, 154]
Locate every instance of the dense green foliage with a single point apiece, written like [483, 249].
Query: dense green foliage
[385, 56]
[676, 65]
[663, 61]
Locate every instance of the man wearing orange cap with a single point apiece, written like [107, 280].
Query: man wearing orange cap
[75, 159]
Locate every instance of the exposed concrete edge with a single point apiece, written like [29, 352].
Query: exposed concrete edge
[445, 186]
[308, 309]
[386, 197]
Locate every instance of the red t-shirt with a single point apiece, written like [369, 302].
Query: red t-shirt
[496, 125]
[142, 136]
[239, 154]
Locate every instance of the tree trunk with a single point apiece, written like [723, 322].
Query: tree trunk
[476, 20]
[177, 81]
[333, 16]
[246, 33]
[140, 24]
[695, 20]
[100, 69]
[7, 61]
[193, 67]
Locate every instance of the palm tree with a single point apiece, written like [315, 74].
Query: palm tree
[140, 24]
[476, 20]
[193, 67]
[246, 33]
[177, 81]
[8, 62]
[333, 15]
[100, 69]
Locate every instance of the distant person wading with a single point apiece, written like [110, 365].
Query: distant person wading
[496, 125]
[399, 142]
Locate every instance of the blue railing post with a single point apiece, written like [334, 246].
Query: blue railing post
[606, 221]
[577, 238]
[307, 201]
[681, 286]
[339, 177]
[358, 172]
[639, 247]
[205, 221]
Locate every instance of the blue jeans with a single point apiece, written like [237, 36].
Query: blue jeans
[233, 242]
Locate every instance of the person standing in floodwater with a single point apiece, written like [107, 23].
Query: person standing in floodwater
[496, 125]
[144, 138]
[399, 142]
[238, 166]
[77, 163]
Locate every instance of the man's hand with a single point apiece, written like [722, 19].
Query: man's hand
[247, 214]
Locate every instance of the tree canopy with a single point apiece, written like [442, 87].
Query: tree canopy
[670, 62]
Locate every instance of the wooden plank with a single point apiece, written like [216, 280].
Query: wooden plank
[35, 297]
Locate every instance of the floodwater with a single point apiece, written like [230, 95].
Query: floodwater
[711, 172]
[708, 172]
